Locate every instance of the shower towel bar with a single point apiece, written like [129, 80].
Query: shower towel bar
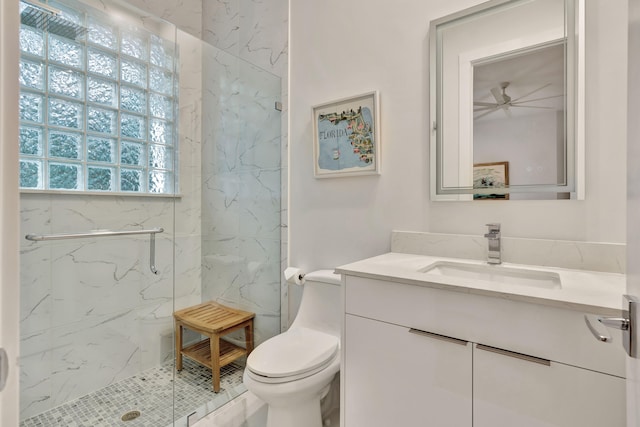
[95, 233]
[106, 233]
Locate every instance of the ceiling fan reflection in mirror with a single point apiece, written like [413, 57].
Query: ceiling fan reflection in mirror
[504, 102]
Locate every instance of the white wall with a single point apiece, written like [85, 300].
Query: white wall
[529, 144]
[9, 216]
[633, 206]
[345, 48]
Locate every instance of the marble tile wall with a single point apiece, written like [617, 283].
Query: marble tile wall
[92, 311]
[591, 256]
[241, 203]
[255, 31]
[258, 33]
[184, 14]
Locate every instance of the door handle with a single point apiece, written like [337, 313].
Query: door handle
[628, 324]
[4, 368]
[600, 336]
[620, 323]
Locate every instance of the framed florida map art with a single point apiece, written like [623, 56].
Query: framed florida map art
[346, 137]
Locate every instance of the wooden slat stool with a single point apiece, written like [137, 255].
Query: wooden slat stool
[213, 320]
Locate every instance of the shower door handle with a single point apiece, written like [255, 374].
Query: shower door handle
[4, 368]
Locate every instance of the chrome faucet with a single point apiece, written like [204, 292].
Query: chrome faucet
[494, 254]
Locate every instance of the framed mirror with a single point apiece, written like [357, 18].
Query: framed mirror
[507, 101]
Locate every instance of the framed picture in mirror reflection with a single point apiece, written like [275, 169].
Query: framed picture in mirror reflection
[491, 175]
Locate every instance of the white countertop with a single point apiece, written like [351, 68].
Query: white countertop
[588, 291]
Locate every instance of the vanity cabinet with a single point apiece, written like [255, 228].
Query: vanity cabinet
[420, 356]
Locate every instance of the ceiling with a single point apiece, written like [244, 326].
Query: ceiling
[530, 76]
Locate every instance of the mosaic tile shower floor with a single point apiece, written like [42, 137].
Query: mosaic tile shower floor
[151, 393]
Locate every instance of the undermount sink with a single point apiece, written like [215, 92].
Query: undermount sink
[495, 274]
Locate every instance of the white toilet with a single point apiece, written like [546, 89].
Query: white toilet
[293, 371]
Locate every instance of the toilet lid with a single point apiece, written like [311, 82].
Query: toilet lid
[292, 353]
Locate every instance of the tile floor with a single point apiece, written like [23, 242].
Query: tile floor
[151, 393]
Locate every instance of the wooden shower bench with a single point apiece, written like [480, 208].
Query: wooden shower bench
[213, 320]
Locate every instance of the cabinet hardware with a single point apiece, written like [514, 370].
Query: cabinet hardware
[438, 336]
[513, 354]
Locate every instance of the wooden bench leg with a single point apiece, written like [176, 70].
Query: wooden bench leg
[178, 346]
[248, 337]
[214, 341]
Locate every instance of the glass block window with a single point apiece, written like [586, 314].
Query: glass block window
[98, 110]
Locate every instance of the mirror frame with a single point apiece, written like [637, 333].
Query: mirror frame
[574, 115]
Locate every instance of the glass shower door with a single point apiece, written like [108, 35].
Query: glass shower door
[98, 146]
[228, 109]
[96, 320]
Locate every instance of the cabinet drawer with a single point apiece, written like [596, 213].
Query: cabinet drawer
[533, 329]
[512, 391]
[397, 377]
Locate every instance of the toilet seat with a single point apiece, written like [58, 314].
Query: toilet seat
[295, 354]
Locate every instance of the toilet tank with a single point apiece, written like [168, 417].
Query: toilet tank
[320, 307]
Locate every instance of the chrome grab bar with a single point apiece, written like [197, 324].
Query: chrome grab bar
[96, 233]
[106, 233]
[152, 253]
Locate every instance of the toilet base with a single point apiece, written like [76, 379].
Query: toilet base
[295, 403]
[300, 415]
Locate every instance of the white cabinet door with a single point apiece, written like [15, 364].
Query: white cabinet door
[509, 391]
[394, 377]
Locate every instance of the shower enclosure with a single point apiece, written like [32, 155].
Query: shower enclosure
[150, 174]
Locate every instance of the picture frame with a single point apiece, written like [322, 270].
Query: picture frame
[491, 175]
[346, 139]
